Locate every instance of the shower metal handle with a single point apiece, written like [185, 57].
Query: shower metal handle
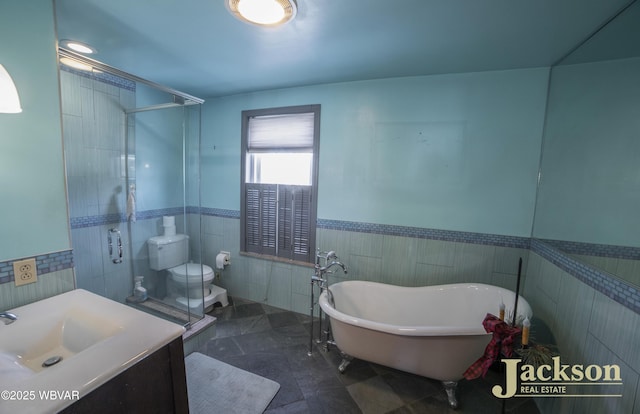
[117, 259]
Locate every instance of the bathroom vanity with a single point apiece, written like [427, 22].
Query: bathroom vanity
[79, 352]
[157, 384]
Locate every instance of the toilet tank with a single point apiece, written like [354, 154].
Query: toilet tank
[168, 251]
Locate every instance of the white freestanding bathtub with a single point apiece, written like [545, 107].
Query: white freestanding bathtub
[433, 331]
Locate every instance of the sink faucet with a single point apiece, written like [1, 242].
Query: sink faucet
[8, 317]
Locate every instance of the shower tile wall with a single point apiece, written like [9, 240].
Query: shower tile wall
[94, 145]
[395, 259]
[99, 172]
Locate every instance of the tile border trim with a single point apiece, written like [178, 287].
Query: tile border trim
[108, 78]
[603, 282]
[599, 280]
[424, 233]
[594, 249]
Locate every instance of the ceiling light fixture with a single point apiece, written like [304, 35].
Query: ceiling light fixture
[9, 99]
[78, 47]
[72, 63]
[263, 12]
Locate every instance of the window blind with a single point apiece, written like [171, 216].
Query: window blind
[290, 132]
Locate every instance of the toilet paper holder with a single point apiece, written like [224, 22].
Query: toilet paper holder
[223, 259]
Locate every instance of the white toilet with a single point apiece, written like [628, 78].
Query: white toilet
[172, 253]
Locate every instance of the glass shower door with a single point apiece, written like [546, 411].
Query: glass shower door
[163, 143]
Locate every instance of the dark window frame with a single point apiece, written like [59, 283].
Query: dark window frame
[283, 191]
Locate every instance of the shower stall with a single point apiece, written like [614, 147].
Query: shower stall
[132, 154]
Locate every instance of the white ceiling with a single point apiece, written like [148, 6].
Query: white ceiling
[197, 47]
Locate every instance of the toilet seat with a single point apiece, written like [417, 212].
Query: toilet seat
[190, 272]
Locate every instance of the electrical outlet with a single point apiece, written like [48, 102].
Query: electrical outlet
[25, 271]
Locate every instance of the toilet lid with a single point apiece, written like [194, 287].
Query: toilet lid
[192, 271]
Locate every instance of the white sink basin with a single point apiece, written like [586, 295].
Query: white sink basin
[92, 339]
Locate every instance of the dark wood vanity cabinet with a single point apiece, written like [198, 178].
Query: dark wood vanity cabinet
[156, 384]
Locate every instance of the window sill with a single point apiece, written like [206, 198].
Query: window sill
[277, 259]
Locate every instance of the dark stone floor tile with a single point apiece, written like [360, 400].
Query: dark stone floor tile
[274, 344]
[256, 342]
[221, 348]
[357, 373]
[335, 357]
[298, 407]
[226, 328]
[411, 387]
[252, 324]
[521, 406]
[280, 319]
[290, 335]
[430, 405]
[305, 317]
[374, 396]
[332, 400]
[272, 309]
[311, 372]
[249, 309]
[274, 366]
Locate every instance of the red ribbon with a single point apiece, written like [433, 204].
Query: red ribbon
[501, 342]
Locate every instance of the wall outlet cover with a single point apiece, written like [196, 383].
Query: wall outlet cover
[25, 271]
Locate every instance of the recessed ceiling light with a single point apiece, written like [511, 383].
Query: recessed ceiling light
[72, 63]
[263, 12]
[78, 47]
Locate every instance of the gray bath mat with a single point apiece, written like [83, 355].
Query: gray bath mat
[216, 387]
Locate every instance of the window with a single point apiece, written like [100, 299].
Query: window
[279, 181]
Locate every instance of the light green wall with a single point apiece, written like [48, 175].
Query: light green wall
[33, 210]
[590, 186]
[455, 152]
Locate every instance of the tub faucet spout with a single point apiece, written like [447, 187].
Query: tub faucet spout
[325, 269]
[8, 317]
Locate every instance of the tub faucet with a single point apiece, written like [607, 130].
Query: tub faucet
[325, 269]
[8, 317]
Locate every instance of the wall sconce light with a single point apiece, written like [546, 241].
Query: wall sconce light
[9, 99]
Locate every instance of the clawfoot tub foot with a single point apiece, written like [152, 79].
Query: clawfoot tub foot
[346, 360]
[450, 387]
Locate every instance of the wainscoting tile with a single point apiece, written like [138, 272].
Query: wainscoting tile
[48, 285]
[279, 286]
[596, 353]
[506, 260]
[399, 260]
[365, 244]
[213, 225]
[573, 314]
[617, 328]
[549, 279]
[474, 262]
[429, 274]
[336, 240]
[435, 252]
[365, 268]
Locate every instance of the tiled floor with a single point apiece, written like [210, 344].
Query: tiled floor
[273, 343]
